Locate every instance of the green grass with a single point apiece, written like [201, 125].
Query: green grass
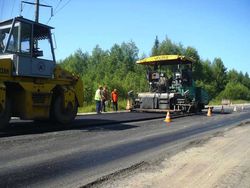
[122, 105]
[240, 101]
[218, 102]
[87, 108]
[91, 107]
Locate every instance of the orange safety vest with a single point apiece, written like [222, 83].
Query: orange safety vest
[114, 96]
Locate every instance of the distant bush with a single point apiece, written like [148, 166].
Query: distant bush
[235, 91]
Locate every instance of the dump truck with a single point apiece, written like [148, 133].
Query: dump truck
[32, 85]
[171, 86]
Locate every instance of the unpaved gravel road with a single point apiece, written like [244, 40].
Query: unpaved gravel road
[224, 161]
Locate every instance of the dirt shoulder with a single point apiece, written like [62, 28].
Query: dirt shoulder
[223, 161]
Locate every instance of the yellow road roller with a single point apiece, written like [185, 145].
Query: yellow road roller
[32, 85]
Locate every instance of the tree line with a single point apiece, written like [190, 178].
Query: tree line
[116, 68]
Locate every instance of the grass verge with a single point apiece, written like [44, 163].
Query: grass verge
[91, 107]
[218, 102]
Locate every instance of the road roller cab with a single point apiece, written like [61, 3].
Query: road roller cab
[32, 85]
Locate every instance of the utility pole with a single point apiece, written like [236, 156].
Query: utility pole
[36, 18]
[37, 11]
[37, 5]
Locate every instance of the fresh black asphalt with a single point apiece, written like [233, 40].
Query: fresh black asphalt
[44, 155]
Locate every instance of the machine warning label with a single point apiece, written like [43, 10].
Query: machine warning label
[4, 71]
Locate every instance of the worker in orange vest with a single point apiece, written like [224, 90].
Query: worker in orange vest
[114, 99]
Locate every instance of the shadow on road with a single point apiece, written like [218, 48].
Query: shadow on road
[35, 127]
[89, 123]
[92, 123]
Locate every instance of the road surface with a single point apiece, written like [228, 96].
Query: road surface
[37, 155]
[221, 162]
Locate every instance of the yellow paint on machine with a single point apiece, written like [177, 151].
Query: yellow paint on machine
[79, 92]
[165, 59]
[35, 100]
[5, 68]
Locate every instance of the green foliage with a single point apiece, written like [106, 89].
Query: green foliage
[155, 48]
[116, 68]
[219, 74]
[235, 91]
[170, 48]
[76, 63]
[197, 66]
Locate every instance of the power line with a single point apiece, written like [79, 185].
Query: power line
[63, 6]
[59, 2]
[59, 9]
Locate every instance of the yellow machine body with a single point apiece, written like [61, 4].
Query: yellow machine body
[31, 98]
[32, 85]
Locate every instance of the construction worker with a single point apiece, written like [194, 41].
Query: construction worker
[162, 84]
[105, 97]
[114, 99]
[98, 99]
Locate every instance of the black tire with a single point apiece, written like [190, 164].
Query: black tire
[61, 115]
[195, 108]
[202, 106]
[5, 114]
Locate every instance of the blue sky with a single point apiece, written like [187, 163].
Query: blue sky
[216, 28]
